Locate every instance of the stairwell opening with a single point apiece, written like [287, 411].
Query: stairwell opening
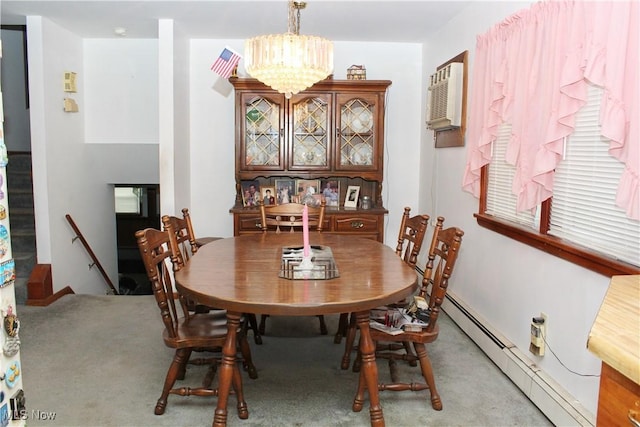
[137, 207]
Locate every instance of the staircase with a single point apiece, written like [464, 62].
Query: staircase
[21, 220]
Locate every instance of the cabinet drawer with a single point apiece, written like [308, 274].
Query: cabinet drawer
[619, 398]
[357, 223]
[249, 223]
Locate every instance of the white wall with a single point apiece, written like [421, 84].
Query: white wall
[212, 129]
[507, 282]
[121, 91]
[63, 168]
[16, 113]
[76, 178]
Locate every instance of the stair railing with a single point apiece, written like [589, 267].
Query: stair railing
[95, 263]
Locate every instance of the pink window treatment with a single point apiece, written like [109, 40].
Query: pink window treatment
[531, 70]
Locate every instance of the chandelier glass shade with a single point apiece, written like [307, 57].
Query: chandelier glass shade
[289, 62]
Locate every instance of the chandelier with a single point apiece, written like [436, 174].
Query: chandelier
[289, 63]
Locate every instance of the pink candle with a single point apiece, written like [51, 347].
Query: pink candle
[305, 231]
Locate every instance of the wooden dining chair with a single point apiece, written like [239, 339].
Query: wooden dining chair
[410, 238]
[443, 253]
[188, 245]
[288, 218]
[184, 330]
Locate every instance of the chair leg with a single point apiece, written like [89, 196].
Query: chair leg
[350, 337]
[247, 361]
[427, 373]
[177, 365]
[183, 369]
[409, 350]
[343, 324]
[323, 325]
[236, 383]
[263, 321]
[210, 375]
[253, 325]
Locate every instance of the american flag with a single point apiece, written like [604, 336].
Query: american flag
[226, 62]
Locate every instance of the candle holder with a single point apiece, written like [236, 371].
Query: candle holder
[306, 263]
[319, 265]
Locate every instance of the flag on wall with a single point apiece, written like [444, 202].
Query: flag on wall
[226, 62]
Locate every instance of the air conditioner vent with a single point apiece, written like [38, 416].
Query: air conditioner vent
[445, 104]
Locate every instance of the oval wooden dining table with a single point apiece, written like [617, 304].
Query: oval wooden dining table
[241, 275]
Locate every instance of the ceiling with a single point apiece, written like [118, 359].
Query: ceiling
[346, 20]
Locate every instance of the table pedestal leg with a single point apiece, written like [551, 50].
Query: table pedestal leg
[229, 374]
[368, 373]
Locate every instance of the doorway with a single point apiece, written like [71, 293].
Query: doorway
[137, 207]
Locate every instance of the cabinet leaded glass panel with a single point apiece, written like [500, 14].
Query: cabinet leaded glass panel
[310, 132]
[356, 133]
[262, 135]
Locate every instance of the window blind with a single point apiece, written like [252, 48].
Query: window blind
[583, 208]
[501, 202]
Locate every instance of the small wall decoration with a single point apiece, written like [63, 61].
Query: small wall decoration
[357, 72]
[351, 198]
[70, 81]
[70, 105]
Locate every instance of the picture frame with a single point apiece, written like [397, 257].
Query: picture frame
[250, 193]
[284, 191]
[268, 195]
[330, 192]
[351, 197]
[308, 191]
[303, 186]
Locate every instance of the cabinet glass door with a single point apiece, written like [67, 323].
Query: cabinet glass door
[357, 130]
[262, 134]
[310, 136]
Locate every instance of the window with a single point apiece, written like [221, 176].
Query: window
[581, 222]
[131, 200]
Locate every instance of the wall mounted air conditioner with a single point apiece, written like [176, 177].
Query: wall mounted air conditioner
[445, 97]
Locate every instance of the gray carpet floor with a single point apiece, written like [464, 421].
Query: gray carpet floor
[101, 361]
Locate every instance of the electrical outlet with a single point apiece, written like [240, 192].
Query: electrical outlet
[538, 334]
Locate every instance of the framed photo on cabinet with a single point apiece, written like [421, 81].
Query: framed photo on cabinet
[250, 194]
[284, 191]
[351, 197]
[268, 193]
[331, 192]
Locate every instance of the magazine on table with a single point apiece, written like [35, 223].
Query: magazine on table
[395, 321]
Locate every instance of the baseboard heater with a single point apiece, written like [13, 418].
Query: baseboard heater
[549, 396]
[560, 407]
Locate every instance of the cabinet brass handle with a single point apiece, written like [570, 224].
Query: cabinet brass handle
[357, 224]
[633, 418]
[258, 225]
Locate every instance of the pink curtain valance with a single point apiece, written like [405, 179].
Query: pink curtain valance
[531, 70]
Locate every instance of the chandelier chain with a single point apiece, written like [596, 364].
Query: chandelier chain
[294, 16]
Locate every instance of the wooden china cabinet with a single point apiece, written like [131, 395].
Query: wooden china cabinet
[331, 132]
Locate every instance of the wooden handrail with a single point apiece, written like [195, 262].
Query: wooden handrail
[90, 252]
